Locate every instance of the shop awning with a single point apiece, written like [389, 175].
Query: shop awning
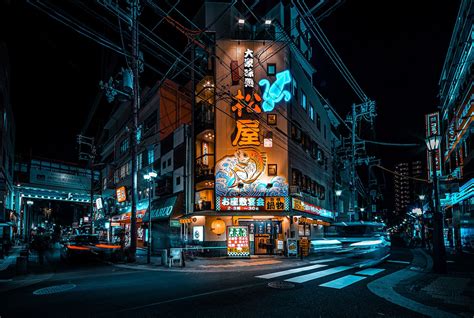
[165, 208]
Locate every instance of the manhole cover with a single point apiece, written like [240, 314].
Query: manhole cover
[281, 285]
[54, 289]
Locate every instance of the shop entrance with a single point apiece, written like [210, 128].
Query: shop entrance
[265, 235]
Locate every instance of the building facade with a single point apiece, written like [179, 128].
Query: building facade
[456, 129]
[8, 214]
[163, 139]
[263, 138]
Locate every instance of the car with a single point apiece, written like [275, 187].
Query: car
[364, 240]
[79, 246]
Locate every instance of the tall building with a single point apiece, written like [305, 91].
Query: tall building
[456, 120]
[263, 139]
[8, 214]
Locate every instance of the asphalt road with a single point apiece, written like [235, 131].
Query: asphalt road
[98, 290]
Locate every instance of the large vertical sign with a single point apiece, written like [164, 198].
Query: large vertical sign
[246, 171]
[433, 129]
[238, 241]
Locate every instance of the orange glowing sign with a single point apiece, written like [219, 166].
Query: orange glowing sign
[121, 194]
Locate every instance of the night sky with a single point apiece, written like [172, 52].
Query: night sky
[395, 50]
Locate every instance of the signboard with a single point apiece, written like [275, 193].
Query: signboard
[253, 203]
[304, 246]
[121, 193]
[292, 246]
[238, 241]
[300, 205]
[98, 203]
[175, 223]
[433, 128]
[59, 179]
[198, 233]
[246, 174]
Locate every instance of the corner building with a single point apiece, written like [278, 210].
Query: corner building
[262, 172]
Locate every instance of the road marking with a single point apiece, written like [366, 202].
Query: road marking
[289, 271]
[326, 260]
[343, 281]
[397, 262]
[316, 275]
[370, 271]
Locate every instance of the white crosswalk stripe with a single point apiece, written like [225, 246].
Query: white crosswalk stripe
[327, 260]
[370, 271]
[343, 281]
[290, 271]
[316, 275]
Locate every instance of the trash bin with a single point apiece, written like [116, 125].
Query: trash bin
[22, 265]
[164, 257]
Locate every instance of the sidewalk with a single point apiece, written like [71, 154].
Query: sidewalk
[451, 293]
[218, 264]
[8, 263]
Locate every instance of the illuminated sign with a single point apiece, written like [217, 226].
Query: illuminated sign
[98, 203]
[432, 129]
[198, 233]
[245, 145]
[238, 241]
[299, 205]
[121, 194]
[252, 204]
[248, 69]
[274, 93]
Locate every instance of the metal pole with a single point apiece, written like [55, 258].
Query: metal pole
[92, 197]
[353, 172]
[135, 106]
[423, 243]
[150, 189]
[439, 253]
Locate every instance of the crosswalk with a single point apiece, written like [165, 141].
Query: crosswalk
[321, 269]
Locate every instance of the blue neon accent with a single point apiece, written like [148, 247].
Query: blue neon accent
[275, 92]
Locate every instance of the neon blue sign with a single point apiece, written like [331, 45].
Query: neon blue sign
[274, 93]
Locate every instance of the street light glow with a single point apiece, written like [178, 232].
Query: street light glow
[338, 193]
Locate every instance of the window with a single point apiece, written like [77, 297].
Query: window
[178, 180]
[311, 112]
[124, 146]
[164, 165]
[150, 121]
[318, 121]
[169, 162]
[139, 160]
[139, 133]
[271, 69]
[295, 89]
[325, 135]
[303, 100]
[151, 156]
[122, 172]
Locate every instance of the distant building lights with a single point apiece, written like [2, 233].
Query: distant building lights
[268, 22]
[241, 21]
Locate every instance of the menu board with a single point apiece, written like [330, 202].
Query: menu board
[238, 241]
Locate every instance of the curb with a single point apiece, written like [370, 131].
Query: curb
[384, 288]
[192, 270]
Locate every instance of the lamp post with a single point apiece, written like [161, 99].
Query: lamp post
[338, 196]
[423, 243]
[27, 220]
[150, 177]
[439, 253]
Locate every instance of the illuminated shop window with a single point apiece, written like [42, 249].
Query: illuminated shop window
[271, 69]
[124, 146]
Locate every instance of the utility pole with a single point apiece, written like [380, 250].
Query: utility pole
[353, 167]
[134, 11]
[89, 155]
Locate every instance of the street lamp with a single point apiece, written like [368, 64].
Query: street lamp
[423, 238]
[439, 253]
[29, 203]
[150, 177]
